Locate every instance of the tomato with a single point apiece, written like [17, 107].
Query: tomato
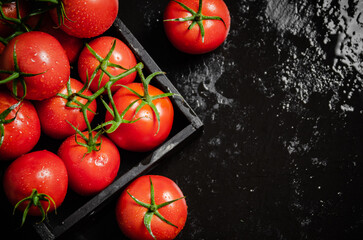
[37, 53]
[72, 45]
[87, 18]
[191, 40]
[130, 215]
[10, 11]
[89, 173]
[55, 116]
[2, 47]
[122, 55]
[42, 171]
[142, 135]
[22, 134]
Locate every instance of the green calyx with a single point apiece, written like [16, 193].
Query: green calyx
[19, 23]
[146, 99]
[153, 209]
[4, 121]
[197, 18]
[35, 200]
[17, 76]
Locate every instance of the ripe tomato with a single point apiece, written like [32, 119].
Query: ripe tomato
[122, 55]
[37, 53]
[87, 18]
[130, 215]
[72, 45]
[55, 116]
[89, 173]
[10, 10]
[42, 171]
[2, 47]
[142, 135]
[191, 40]
[22, 134]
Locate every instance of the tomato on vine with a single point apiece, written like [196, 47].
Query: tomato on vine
[19, 126]
[152, 112]
[16, 18]
[57, 114]
[151, 207]
[34, 64]
[97, 53]
[196, 26]
[36, 183]
[91, 165]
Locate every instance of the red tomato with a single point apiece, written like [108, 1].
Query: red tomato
[10, 11]
[87, 18]
[130, 215]
[72, 45]
[143, 134]
[190, 40]
[40, 170]
[122, 55]
[2, 47]
[92, 172]
[21, 135]
[37, 53]
[55, 116]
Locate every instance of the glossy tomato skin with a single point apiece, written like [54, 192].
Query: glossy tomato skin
[55, 116]
[87, 18]
[72, 45]
[130, 215]
[23, 133]
[122, 55]
[190, 41]
[10, 11]
[2, 47]
[90, 173]
[40, 170]
[42, 54]
[141, 136]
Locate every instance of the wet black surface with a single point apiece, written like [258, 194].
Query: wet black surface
[282, 152]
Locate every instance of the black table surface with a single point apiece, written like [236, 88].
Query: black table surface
[281, 154]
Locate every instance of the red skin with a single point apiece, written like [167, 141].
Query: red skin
[129, 214]
[41, 170]
[23, 133]
[190, 41]
[54, 114]
[141, 136]
[2, 47]
[88, 18]
[122, 55]
[72, 45]
[9, 10]
[38, 52]
[90, 173]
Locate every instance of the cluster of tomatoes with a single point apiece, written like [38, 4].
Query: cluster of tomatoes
[56, 69]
